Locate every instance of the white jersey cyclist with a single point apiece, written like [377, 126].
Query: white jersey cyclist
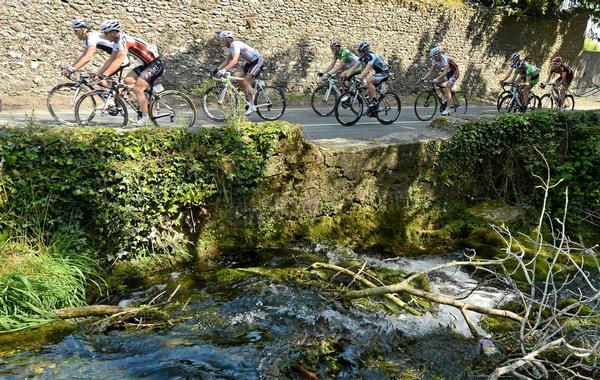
[247, 52]
[97, 39]
[453, 73]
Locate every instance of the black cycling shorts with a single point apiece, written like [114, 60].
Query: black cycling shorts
[150, 71]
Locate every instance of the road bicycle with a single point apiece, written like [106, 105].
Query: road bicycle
[325, 96]
[513, 102]
[550, 99]
[65, 95]
[220, 101]
[427, 102]
[106, 107]
[350, 106]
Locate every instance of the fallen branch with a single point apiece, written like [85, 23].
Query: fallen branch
[390, 297]
[93, 311]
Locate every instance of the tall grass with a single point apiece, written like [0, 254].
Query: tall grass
[40, 273]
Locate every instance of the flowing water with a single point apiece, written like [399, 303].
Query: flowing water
[260, 317]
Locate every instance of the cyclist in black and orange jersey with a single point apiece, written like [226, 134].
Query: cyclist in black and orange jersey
[446, 79]
[91, 42]
[566, 75]
[142, 76]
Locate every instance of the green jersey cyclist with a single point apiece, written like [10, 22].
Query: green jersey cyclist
[343, 60]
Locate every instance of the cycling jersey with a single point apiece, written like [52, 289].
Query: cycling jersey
[96, 39]
[247, 52]
[376, 62]
[136, 47]
[349, 58]
[447, 61]
[562, 69]
[531, 71]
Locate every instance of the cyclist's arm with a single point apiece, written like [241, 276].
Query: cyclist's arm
[508, 73]
[84, 58]
[441, 77]
[429, 73]
[353, 69]
[224, 63]
[233, 60]
[562, 79]
[365, 71]
[113, 63]
[331, 65]
[337, 65]
[515, 76]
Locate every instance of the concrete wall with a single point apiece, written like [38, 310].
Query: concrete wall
[36, 39]
[587, 74]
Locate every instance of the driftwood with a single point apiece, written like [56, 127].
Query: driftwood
[93, 311]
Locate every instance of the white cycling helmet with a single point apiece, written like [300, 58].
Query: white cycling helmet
[226, 34]
[362, 46]
[110, 25]
[435, 51]
[80, 24]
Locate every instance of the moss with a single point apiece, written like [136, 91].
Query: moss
[34, 339]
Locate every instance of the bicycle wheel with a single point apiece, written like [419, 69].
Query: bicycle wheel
[534, 102]
[349, 108]
[172, 108]
[269, 102]
[388, 108]
[218, 103]
[569, 103]
[460, 102]
[500, 97]
[323, 100]
[547, 102]
[100, 109]
[61, 100]
[426, 105]
[507, 104]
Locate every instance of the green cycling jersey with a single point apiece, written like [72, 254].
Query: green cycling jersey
[347, 56]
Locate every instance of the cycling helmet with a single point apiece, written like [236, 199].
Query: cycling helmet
[515, 56]
[335, 44]
[435, 51]
[362, 46]
[226, 34]
[80, 24]
[557, 61]
[520, 65]
[110, 25]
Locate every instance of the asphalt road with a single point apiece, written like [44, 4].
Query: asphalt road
[322, 130]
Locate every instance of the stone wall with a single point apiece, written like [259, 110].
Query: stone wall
[36, 39]
[588, 74]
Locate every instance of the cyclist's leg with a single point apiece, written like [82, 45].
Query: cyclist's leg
[525, 87]
[145, 79]
[250, 72]
[369, 82]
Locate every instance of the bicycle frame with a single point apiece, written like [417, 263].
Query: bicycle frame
[228, 80]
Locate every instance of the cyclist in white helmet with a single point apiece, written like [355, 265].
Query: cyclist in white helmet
[512, 66]
[446, 79]
[142, 76]
[370, 60]
[254, 64]
[91, 41]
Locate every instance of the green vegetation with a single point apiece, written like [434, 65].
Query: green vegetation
[591, 45]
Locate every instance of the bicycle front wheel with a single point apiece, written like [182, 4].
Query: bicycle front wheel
[349, 108]
[500, 97]
[61, 100]
[388, 109]
[100, 108]
[460, 102]
[426, 105]
[547, 102]
[172, 108]
[323, 100]
[507, 104]
[270, 103]
[218, 103]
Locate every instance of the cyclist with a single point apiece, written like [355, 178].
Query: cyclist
[91, 42]
[564, 80]
[512, 66]
[253, 66]
[142, 76]
[343, 59]
[369, 60]
[529, 74]
[446, 79]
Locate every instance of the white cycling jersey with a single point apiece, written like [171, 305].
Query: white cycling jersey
[97, 39]
[247, 52]
[137, 47]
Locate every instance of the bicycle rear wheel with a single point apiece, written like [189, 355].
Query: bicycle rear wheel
[349, 108]
[426, 105]
[547, 102]
[100, 109]
[460, 102]
[61, 100]
[172, 108]
[218, 103]
[323, 100]
[569, 103]
[388, 108]
[270, 103]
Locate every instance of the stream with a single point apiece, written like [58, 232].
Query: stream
[256, 316]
